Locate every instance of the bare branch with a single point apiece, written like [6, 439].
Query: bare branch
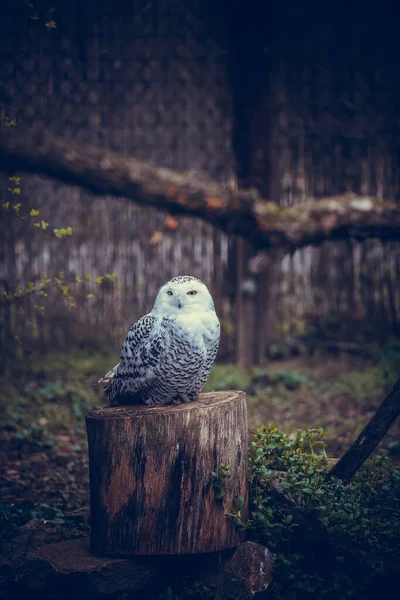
[236, 212]
[370, 436]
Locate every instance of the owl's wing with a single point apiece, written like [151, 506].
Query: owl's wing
[212, 343]
[140, 349]
[108, 377]
[212, 351]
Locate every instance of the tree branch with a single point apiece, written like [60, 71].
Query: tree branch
[236, 212]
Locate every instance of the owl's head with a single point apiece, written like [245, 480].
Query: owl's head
[184, 293]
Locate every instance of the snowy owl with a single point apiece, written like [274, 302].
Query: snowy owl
[168, 354]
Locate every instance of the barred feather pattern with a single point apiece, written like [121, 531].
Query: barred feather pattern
[168, 354]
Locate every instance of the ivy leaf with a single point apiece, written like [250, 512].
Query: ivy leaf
[237, 503]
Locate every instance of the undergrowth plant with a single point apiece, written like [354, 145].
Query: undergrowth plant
[219, 478]
[367, 510]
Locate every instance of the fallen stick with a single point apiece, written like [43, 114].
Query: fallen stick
[369, 438]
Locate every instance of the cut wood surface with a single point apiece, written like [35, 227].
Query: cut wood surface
[371, 435]
[242, 212]
[150, 475]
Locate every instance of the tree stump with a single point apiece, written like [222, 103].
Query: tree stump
[151, 485]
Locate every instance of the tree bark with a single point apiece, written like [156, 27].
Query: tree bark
[370, 436]
[150, 475]
[246, 290]
[241, 212]
[256, 304]
[267, 307]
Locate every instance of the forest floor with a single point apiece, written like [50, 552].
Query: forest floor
[43, 449]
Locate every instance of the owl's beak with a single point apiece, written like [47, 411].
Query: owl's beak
[179, 304]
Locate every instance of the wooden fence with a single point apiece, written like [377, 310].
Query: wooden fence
[155, 80]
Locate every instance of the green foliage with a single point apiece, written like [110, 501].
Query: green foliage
[228, 377]
[280, 350]
[231, 377]
[367, 510]
[370, 382]
[390, 356]
[57, 388]
[288, 379]
[219, 478]
[363, 385]
[75, 368]
[42, 404]
[62, 283]
[339, 395]
[67, 286]
[13, 516]
[43, 440]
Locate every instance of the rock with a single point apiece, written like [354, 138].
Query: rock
[249, 572]
[30, 536]
[65, 570]
[69, 568]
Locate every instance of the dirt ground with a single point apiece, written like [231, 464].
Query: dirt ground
[43, 451]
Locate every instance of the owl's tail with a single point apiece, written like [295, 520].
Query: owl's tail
[108, 377]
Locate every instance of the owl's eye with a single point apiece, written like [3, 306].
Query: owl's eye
[170, 293]
[192, 293]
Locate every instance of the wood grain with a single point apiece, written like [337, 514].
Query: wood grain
[150, 475]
